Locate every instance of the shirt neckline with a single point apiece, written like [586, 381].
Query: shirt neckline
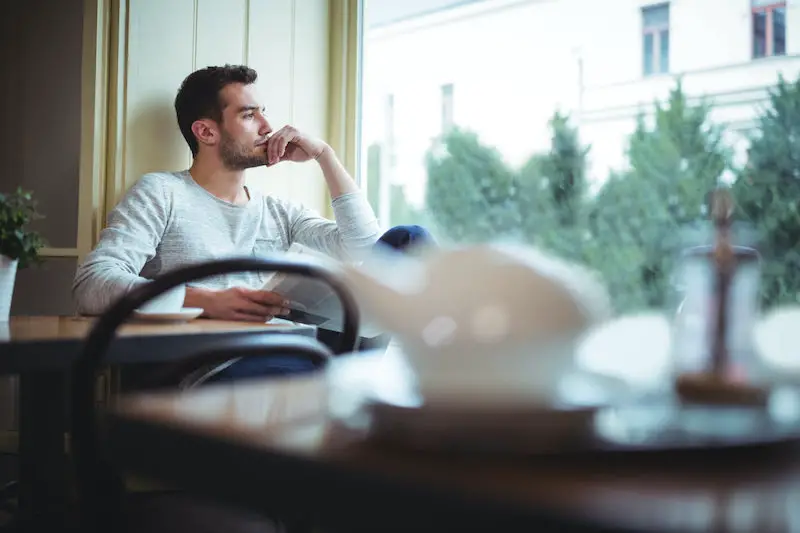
[250, 196]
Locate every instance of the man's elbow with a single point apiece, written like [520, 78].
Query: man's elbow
[84, 298]
[92, 290]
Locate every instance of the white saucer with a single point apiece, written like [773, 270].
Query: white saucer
[185, 314]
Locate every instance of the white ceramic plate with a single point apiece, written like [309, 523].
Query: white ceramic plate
[185, 314]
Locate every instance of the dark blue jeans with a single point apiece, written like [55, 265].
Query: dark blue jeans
[398, 238]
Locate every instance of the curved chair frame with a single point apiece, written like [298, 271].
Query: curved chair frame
[99, 489]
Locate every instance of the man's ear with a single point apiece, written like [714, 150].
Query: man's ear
[206, 131]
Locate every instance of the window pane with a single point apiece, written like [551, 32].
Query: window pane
[664, 56]
[779, 31]
[647, 53]
[389, 130]
[447, 107]
[759, 34]
[562, 144]
[656, 16]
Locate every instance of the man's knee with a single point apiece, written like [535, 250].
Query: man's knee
[402, 237]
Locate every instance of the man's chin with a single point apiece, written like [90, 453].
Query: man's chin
[245, 164]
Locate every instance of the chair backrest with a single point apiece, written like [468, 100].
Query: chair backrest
[99, 488]
[218, 355]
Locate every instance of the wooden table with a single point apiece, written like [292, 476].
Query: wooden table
[271, 445]
[43, 349]
[51, 342]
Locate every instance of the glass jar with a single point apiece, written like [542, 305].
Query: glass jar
[698, 306]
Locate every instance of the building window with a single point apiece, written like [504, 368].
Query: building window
[447, 107]
[655, 39]
[769, 28]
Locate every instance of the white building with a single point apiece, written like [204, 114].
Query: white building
[502, 67]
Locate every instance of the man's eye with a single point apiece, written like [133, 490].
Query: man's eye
[249, 115]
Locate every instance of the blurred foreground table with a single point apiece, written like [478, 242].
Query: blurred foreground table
[270, 445]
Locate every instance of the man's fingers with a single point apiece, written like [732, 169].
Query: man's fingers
[247, 317]
[276, 145]
[271, 144]
[267, 298]
[281, 148]
[255, 308]
[271, 148]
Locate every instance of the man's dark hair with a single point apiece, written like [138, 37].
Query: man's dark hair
[199, 96]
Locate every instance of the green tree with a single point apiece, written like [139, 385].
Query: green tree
[768, 189]
[470, 190]
[629, 231]
[552, 193]
[639, 215]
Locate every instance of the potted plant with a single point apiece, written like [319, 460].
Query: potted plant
[19, 246]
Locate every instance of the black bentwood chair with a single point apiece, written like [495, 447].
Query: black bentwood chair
[101, 490]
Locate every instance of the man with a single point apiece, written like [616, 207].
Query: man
[171, 219]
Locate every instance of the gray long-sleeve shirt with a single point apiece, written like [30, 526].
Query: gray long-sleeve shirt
[166, 220]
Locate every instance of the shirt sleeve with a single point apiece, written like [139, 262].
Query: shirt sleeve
[349, 237]
[134, 230]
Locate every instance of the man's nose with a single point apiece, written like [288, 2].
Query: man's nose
[265, 128]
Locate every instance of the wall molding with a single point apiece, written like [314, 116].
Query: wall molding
[61, 252]
[113, 185]
[93, 126]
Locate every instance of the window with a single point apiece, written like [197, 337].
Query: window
[655, 45]
[447, 107]
[389, 137]
[769, 28]
[561, 143]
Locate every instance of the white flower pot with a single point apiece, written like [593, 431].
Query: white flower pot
[8, 274]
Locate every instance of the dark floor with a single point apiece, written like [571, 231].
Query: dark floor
[8, 472]
[170, 512]
[8, 468]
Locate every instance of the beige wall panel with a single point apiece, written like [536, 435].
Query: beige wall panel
[221, 32]
[310, 104]
[286, 41]
[270, 51]
[161, 45]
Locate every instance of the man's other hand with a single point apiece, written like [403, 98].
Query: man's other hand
[237, 303]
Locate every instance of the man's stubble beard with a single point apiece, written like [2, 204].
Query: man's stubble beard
[236, 156]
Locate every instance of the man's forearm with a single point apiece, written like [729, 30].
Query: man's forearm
[336, 176]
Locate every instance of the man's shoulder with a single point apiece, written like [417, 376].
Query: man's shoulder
[161, 179]
[153, 189]
[159, 185]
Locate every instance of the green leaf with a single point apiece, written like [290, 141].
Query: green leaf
[17, 241]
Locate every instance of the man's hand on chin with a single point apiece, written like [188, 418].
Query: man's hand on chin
[289, 144]
[237, 304]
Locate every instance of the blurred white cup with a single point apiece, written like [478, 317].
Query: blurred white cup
[168, 302]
